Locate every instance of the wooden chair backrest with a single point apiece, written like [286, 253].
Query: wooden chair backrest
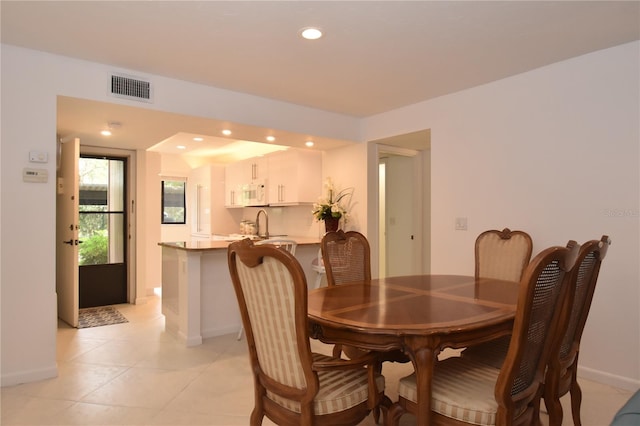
[271, 289]
[502, 255]
[346, 256]
[583, 277]
[544, 286]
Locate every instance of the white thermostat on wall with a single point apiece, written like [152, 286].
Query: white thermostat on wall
[38, 157]
[35, 175]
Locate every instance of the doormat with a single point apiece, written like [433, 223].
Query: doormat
[102, 315]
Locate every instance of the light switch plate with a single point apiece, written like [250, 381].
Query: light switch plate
[35, 175]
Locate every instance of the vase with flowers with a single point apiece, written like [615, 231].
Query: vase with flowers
[333, 207]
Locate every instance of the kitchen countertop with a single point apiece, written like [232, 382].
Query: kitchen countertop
[197, 245]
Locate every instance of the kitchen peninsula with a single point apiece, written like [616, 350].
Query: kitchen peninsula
[198, 300]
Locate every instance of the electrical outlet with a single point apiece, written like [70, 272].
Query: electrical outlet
[461, 223]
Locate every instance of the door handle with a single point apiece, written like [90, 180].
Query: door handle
[79, 242]
[70, 242]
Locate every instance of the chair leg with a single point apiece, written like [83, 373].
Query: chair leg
[337, 351]
[554, 408]
[576, 401]
[376, 414]
[240, 333]
[552, 400]
[394, 413]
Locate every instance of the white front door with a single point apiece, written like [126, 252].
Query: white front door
[67, 226]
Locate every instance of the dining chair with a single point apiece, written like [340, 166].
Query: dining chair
[466, 391]
[561, 372]
[282, 243]
[292, 385]
[317, 265]
[561, 375]
[347, 258]
[502, 255]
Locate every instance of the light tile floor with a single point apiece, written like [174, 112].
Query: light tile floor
[136, 374]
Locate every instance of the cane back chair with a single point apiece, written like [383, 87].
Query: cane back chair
[292, 385]
[347, 258]
[561, 376]
[465, 391]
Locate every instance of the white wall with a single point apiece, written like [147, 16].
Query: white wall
[31, 81]
[347, 167]
[148, 232]
[554, 152]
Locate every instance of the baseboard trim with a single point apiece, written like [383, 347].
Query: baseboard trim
[18, 378]
[220, 331]
[609, 379]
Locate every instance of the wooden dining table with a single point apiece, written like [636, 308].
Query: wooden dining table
[420, 315]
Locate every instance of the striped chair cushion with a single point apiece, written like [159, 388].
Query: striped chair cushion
[462, 389]
[490, 353]
[269, 294]
[339, 390]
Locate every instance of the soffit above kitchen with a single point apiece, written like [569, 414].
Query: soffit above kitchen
[140, 128]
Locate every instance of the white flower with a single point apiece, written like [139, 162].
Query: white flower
[331, 206]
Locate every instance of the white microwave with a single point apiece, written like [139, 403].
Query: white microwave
[254, 194]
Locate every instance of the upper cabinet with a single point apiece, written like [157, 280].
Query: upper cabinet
[295, 177]
[243, 179]
[279, 179]
[206, 198]
[199, 189]
[233, 181]
[256, 169]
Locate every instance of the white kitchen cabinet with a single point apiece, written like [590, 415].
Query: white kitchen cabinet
[207, 201]
[233, 181]
[242, 175]
[257, 169]
[200, 200]
[295, 177]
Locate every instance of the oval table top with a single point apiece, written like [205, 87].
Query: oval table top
[421, 304]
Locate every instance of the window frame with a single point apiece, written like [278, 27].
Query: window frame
[163, 207]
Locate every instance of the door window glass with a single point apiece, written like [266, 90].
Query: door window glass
[102, 214]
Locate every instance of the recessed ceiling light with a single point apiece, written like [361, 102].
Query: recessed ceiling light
[198, 139]
[271, 138]
[311, 33]
[111, 125]
[309, 143]
[226, 132]
[181, 147]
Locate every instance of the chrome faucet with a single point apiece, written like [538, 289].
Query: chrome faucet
[266, 217]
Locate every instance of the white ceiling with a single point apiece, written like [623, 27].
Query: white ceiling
[375, 56]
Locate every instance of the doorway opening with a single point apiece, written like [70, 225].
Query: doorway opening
[401, 194]
[102, 254]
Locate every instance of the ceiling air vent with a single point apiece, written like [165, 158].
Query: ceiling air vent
[130, 88]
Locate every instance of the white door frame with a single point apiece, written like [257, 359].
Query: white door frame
[422, 242]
